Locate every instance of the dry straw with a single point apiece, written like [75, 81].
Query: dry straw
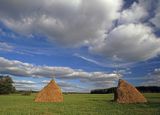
[50, 93]
[126, 93]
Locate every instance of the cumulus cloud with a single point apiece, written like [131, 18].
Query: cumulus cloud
[78, 23]
[67, 22]
[132, 42]
[156, 19]
[17, 68]
[134, 14]
[138, 11]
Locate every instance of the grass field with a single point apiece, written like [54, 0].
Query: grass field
[77, 104]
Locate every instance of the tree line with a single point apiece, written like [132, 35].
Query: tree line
[143, 89]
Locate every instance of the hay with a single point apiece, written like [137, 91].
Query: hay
[50, 93]
[126, 93]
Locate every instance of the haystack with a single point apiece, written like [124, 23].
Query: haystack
[126, 93]
[50, 93]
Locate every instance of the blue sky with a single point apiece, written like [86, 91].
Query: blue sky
[84, 46]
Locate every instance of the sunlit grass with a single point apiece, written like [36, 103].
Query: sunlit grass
[77, 104]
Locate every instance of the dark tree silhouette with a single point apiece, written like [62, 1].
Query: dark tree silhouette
[143, 89]
[6, 86]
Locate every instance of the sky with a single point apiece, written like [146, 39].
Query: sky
[81, 44]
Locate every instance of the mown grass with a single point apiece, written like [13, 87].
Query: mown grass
[77, 104]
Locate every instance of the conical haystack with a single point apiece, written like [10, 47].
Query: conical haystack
[126, 93]
[50, 93]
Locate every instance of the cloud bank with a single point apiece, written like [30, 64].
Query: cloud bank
[130, 42]
[28, 85]
[20, 69]
[104, 26]
[67, 22]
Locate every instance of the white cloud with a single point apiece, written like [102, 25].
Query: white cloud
[25, 85]
[67, 22]
[17, 68]
[123, 71]
[36, 86]
[132, 42]
[71, 87]
[62, 84]
[93, 61]
[24, 82]
[156, 19]
[78, 23]
[45, 81]
[105, 64]
[134, 14]
[6, 47]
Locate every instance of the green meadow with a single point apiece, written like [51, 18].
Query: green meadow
[78, 104]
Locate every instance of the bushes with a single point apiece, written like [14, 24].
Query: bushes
[6, 86]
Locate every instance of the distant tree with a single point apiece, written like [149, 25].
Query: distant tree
[6, 86]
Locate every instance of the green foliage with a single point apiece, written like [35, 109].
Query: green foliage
[6, 86]
[77, 104]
